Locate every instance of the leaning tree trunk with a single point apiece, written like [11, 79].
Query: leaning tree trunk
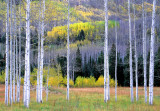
[11, 68]
[151, 67]
[144, 54]
[106, 64]
[135, 55]
[7, 55]
[68, 52]
[27, 55]
[130, 54]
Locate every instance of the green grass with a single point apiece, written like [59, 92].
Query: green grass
[83, 101]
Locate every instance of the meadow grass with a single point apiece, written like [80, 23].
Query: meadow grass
[85, 99]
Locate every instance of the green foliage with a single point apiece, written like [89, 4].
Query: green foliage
[2, 77]
[85, 82]
[79, 31]
[91, 82]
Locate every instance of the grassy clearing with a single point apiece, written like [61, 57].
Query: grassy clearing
[85, 99]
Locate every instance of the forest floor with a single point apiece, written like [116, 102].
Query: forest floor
[84, 99]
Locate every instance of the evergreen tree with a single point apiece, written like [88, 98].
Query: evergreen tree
[78, 64]
[112, 58]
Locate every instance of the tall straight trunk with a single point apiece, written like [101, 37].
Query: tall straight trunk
[7, 55]
[27, 55]
[106, 62]
[42, 53]
[116, 63]
[11, 68]
[19, 73]
[151, 67]
[144, 54]
[135, 55]
[68, 51]
[48, 77]
[39, 56]
[130, 54]
[14, 53]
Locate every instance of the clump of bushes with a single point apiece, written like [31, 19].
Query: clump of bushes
[91, 82]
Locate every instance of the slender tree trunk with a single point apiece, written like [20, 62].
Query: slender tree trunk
[48, 78]
[106, 64]
[68, 51]
[14, 53]
[42, 53]
[39, 56]
[27, 55]
[7, 55]
[135, 55]
[19, 75]
[130, 54]
[151, 67]
[116, 63]
[144, 54]
[11, 68]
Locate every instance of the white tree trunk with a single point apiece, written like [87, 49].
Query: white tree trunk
[48, 77]
[7, 55]
[130, 54]
[14, 52]
[42, 53]
[39, 56]
[68, 51]
[19, 75]
[135, 55]
[144, 54]
[151, 67]
[116, 63]
[106, 62]
[11, 68]
[27, 55]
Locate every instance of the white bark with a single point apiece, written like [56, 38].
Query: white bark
[39, 57]
[11, 68]
[151, 67]
[144, 54]
[68, 51]
[48, 78]
[135, 55]
[116, 63]
[42, 53]
[14, 52]
[19, 75]
[106, 62]
[27, 56]
[130, 54]
[7, 55]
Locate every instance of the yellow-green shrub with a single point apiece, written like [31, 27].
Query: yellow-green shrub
[100, 82]
[2, 77]
[85, 82]
[64, 82]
